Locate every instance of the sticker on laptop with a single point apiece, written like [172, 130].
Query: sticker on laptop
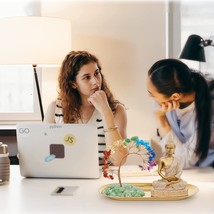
[69, 139]
[57, 151]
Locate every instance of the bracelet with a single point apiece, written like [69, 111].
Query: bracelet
[110, 129]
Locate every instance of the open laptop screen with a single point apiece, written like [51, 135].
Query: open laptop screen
[58, 150]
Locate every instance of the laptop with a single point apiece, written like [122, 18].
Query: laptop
[58, 150]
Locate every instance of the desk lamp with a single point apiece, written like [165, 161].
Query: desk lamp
[29, 40]
[194, 48]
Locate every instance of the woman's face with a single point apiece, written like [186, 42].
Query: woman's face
[88, 80]
[154, 94]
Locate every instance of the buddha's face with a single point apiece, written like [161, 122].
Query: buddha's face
[170, 149]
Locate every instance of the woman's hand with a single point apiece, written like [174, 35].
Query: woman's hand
[118, 119]
[99, 100]
[166, 107]
[160, 114]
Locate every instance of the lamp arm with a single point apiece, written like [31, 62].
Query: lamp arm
[208, 42]
[38, 92]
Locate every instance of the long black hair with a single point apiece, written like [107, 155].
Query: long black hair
[173, 76]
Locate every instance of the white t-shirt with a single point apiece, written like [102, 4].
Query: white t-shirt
[184, 135]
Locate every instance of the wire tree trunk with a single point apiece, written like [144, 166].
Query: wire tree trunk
[119, 175]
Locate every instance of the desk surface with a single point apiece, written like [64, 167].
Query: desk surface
[28, 195]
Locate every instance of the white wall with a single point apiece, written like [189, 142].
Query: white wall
[127, 37]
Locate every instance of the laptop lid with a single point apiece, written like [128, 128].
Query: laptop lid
[58, 150]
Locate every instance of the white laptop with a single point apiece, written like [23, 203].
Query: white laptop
[58, 150]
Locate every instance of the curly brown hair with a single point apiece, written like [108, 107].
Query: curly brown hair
[70, 97]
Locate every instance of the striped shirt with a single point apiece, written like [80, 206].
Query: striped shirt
[95, 120]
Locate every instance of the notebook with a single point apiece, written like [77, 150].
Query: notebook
[58, 150]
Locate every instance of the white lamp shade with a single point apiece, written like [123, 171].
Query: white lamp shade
[34, 40]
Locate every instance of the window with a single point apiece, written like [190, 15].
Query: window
[16, 90]
[192, 17]
[197, 18]
[18, 95]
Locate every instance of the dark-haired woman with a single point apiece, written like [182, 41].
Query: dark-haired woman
[84, 97]
[183, 110]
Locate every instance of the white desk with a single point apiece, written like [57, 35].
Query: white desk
[27, 196]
